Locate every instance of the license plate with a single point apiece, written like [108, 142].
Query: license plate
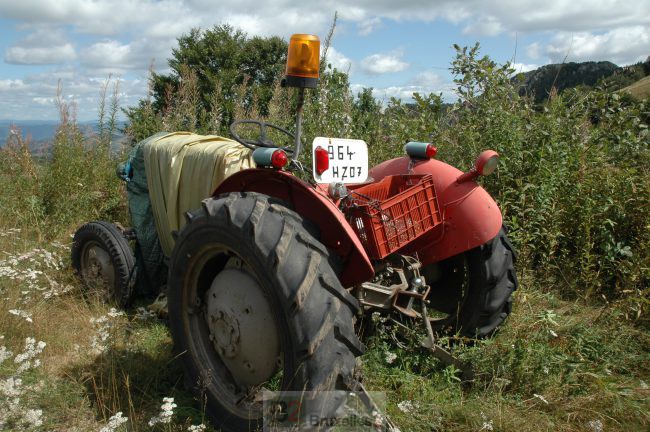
[348, 160]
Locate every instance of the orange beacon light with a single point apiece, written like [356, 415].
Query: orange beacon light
[303, 61]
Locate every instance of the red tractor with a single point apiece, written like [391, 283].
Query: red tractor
[268, 277]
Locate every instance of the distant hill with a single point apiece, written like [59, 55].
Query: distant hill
[538, 82]
[36, 129]
[40, 133]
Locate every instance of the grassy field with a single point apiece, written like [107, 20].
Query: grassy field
[556, 365]
[640, 89]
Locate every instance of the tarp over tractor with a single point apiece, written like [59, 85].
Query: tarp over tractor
[170, 174]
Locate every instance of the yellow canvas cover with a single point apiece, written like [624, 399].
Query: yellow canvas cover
[183, 169]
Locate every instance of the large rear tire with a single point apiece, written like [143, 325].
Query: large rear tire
[248, 282]
[474, 289]
[102, 258]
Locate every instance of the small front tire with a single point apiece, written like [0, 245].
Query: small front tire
[102, 258]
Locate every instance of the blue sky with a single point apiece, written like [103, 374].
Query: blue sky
[396, 47]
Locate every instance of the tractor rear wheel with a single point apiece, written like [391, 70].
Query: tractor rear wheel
[102, 258]
[474, 289]
[255, 305]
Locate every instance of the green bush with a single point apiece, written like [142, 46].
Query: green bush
[73, 184]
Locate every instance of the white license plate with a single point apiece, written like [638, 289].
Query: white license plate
[348, 160]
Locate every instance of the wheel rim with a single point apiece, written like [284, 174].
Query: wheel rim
[235, 368]
[241, 324]
[97, 268]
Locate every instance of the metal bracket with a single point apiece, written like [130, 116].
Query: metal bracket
[386, 424]
[439, 352]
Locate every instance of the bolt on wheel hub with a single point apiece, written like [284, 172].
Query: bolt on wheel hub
[225, 331]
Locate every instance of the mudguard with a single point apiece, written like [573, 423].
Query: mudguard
[470, 216]
[314, 205]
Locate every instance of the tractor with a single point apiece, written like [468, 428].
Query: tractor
[268, 275]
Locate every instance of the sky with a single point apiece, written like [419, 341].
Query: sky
[394, 46]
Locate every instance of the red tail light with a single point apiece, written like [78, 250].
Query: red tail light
[279, 159]
[431, 151]
[322, 160]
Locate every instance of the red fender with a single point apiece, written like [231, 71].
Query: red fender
[470, 215]
[314, 205]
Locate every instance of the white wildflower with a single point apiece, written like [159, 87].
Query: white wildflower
[166, 412]
[99, 342]
[406, 406]
[4, 354]
[196, 428]
[55, 289]
[552, 333]
[11, 387]
[21, 313]
[27, 359]
[390, 357]
[114, 313]
[540, 397]
[34, 417]
[595, 425]
[642, 384]
[488, 425]
[114, 422]
[546, 370]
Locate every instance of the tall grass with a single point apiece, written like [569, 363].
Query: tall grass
[73, 183]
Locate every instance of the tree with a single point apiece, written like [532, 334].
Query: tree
[220, 59]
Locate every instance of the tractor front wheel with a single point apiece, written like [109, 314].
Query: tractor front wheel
[473, 290]
[254, 305]
[102, 258]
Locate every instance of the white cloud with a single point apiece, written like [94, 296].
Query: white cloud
[43, 46]
[369, 25]
[46, 101]
[383, 63]
[621, 46]
[33, 98]
[426, 79]
[486, 25]
[405, 93]
[534, 50]
[165, 20]
[108, 55]
[8, 84]
[523, 67]
[169, 18]
[107, 52]
[338, 60]
[423, 83]
[36, 56]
